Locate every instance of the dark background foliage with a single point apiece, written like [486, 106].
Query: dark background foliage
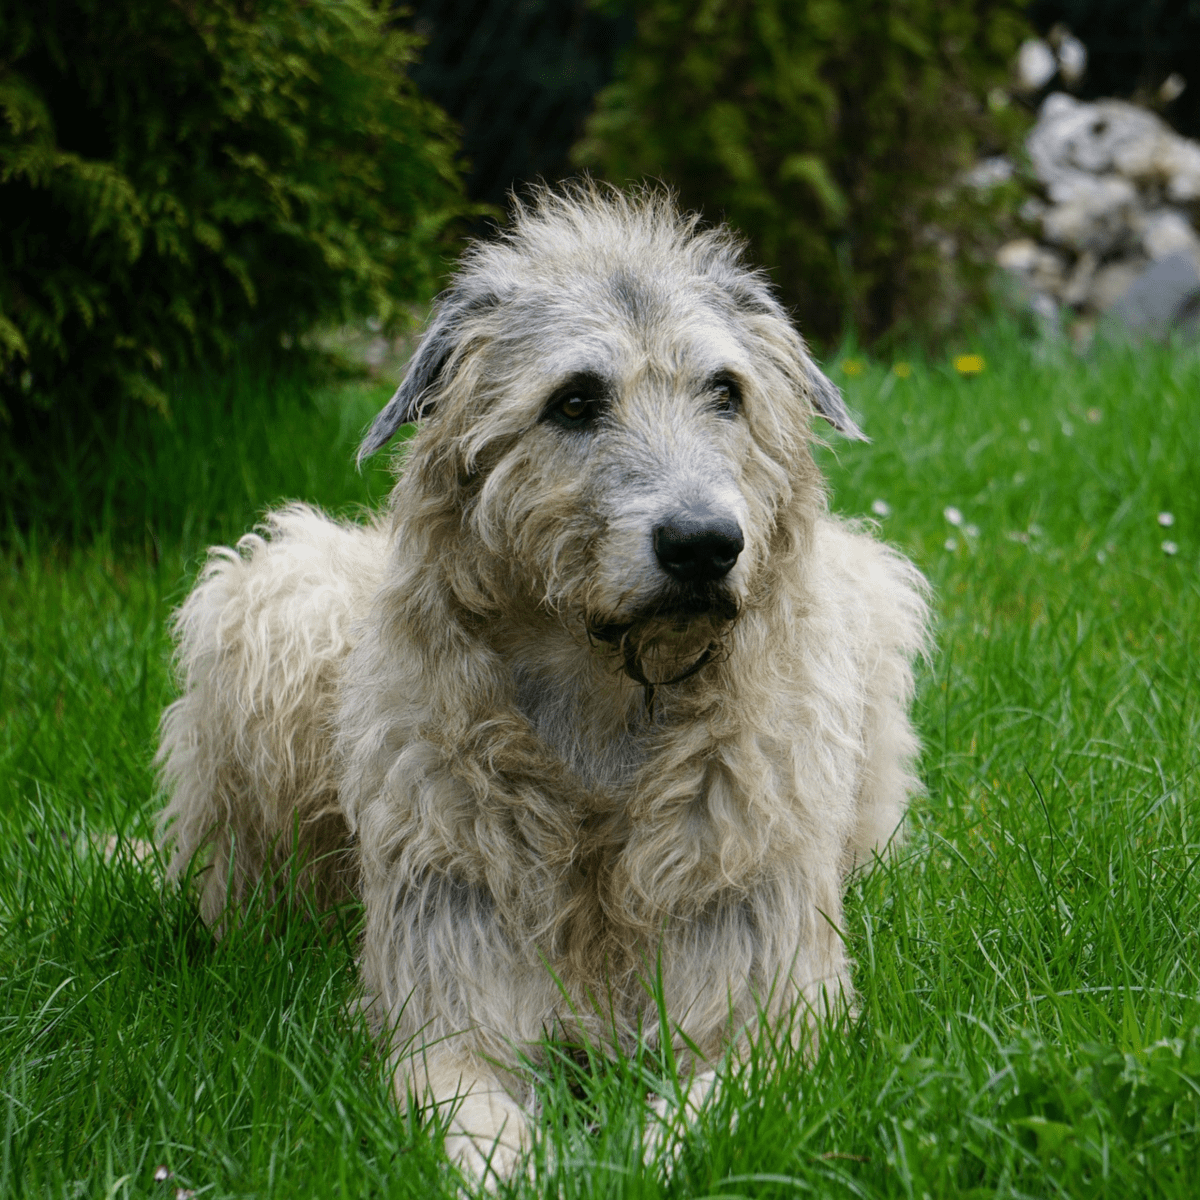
[179, 178]
[520, 76]
[828, 131]
[1133, 46]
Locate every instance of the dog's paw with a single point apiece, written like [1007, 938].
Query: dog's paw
[488, 1137]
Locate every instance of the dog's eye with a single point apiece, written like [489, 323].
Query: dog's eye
[726, 395]
[574, 408]
[577, 405]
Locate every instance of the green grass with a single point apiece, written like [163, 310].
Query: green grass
[1028, 967]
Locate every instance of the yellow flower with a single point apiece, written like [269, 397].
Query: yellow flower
[902, 369]
[969, 364]
[852, 366]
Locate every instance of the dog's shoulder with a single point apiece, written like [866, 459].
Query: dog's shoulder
[861, 584]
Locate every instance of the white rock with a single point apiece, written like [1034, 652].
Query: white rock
[1112, 281]
[989, 172]
[1041, 268]
[1095, 215]
[1167, 231]
[1118, 229]
[1072, 58]
[1018, 255]
[1036, 64]
[1179, 164]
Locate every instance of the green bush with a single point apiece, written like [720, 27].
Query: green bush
[180, 176]
[829, 131]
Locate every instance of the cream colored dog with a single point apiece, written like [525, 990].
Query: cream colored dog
[605, 695]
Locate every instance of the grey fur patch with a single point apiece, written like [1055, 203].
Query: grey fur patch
[632, 296]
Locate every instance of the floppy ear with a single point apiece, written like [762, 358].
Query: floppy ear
[752, 293]
[414, 398]
[827, 400]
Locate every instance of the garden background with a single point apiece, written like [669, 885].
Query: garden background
[220, 227]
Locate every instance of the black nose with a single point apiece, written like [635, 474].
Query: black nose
[698, 549]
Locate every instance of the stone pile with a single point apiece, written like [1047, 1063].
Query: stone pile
[1118, 210]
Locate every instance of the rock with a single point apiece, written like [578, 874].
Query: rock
[1072, 136]
[1072, 58]
[1113, 280]
[1042, 269]
[1092, 214]
[1164, 296]
[1117, 211]
[1036, 64]
[989, 172]
[1167, 231]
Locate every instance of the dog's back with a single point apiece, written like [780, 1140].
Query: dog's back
[246, 751]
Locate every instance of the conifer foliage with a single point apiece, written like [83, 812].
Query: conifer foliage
[178, 176]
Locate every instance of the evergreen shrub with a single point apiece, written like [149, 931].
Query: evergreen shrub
[178, 177]
[831, 132]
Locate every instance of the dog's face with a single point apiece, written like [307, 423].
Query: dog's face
[621, 410]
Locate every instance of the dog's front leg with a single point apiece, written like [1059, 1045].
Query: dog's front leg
[488, 1130]
[679, 1111]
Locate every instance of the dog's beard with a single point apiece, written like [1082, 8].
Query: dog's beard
[670, 640]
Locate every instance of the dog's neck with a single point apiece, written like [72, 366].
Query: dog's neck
[578, 699]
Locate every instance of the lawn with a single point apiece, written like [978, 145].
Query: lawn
[1028, 965]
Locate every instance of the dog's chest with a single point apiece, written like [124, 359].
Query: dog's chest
[600, 744]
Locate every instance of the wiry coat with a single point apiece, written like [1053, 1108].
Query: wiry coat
[549, 770]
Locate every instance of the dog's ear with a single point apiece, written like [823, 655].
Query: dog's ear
[752, 293]
[827, 400]
[414, 398]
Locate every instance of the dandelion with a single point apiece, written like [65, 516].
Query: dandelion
[902, 369]
[950, 545]
[1170, 548]
[881, 508]
[952, 515]
[969, 364]
[852, 366]
[1166, 520]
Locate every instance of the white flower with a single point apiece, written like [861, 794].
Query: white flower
[1170, 548]
[1023, 425]
[950, 544]
[1068, 429]
[1034, 445]
[881, 508]
[1166, 519]
[971, 530]
[952, 515]
[161, 1174]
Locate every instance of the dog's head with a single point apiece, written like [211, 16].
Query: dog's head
[615, 411]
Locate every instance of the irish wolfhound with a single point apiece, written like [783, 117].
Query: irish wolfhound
[606, 694]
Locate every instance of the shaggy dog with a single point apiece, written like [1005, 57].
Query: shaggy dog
[605, 695]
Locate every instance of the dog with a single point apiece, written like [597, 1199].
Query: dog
[605, 696]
